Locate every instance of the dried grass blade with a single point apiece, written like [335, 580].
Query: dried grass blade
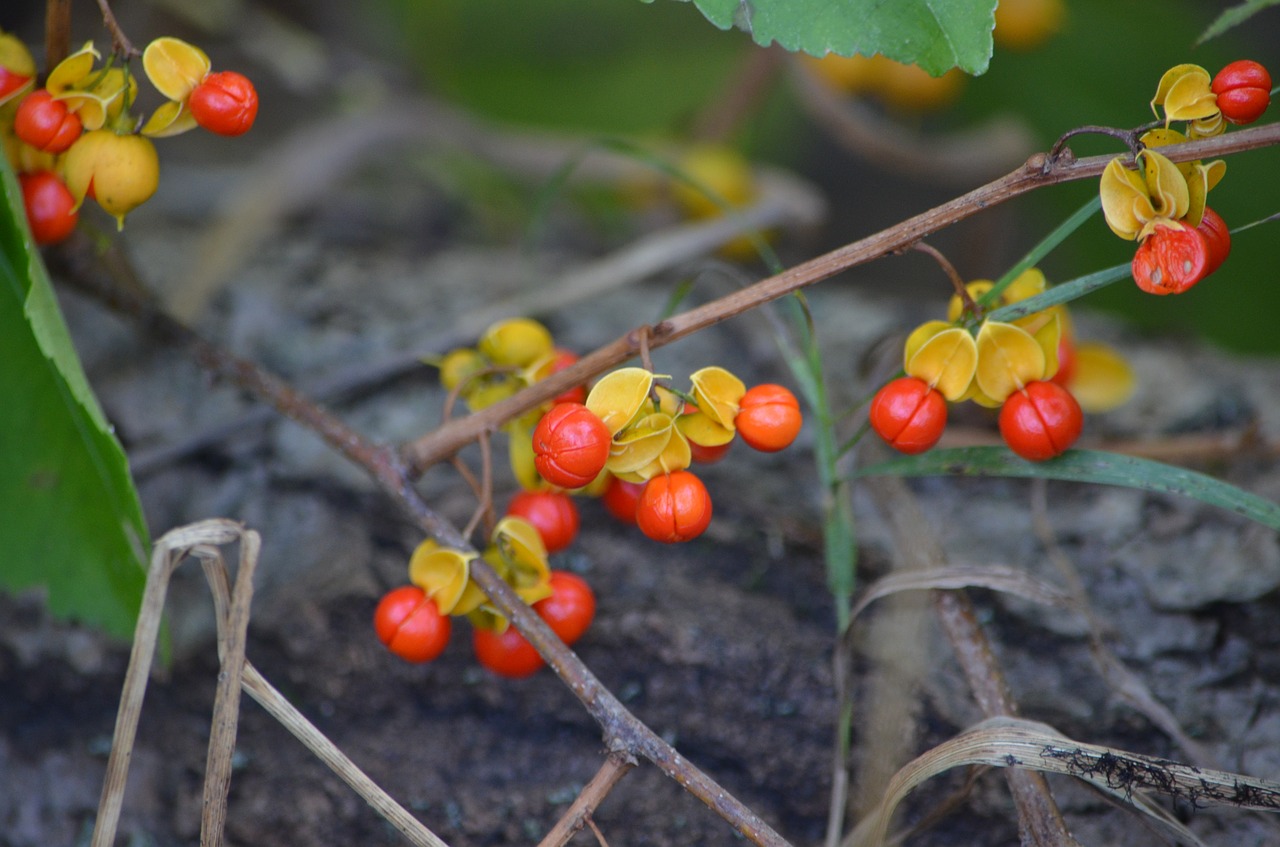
[994, 577]
[1013, 742]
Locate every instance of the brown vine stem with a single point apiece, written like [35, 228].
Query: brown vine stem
[115, 282]
[952, 274]
[1039, 171]
[593, 793]
[123, 46]
[57, 32]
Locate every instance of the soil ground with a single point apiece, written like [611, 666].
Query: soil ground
[723, 646]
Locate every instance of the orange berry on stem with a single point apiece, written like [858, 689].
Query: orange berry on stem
[409, 624]
[507, 654]
[50, 207]
[620, 498]
[570, 608]
[552, 513]
[1040, 421]
[1218, 235]
[1244, 91]
[909, 415]
[768, 418]
[570, 445]
[225, 103]
[674, 507]
[45, 123]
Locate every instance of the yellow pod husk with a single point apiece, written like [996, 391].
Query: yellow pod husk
[1103, 380]
[1008, 358]
[947, 362]
[618, 396]
[443, 573]
[640, 443]
[717, 393]
[174, 67]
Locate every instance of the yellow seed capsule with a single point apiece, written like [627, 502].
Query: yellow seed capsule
[518, 342]
[120, 172]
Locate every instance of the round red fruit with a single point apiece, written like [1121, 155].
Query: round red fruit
[708, 455]
[570, 445]
[552, 513]
[409, 624]
[620, 498]
[50, 207]
[570, 608]
[1218, 235]
[563, 359]
[1244, 91]
[768, 418]
[674, 507]
[45, 123]
[1040, 421]
[1171, 259]
[225, 103]
[507, 654]
[909, 415]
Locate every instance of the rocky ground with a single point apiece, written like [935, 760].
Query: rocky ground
[723, 646]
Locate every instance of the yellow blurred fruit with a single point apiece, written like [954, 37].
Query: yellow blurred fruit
[120, 172]
[518, 342]
[719, 170]
[853, 74]
[1026, 24]
[911, 88]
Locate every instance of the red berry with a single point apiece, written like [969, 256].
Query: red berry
[1040, 421]
[708, 455]
[1218, 236]
[570, 608]
[552, 513]
[768, 418]
[620, 498]
[225, 103]
[1244, 91]
[411, 626]
[563, 359]
[909, 415]
[11, 82]
[45, 123]
[508, 654]
[674, 507]
[50, 207]
[1171, 259]
[570, 445]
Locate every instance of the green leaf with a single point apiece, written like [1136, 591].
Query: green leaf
[69, 514]
[1085, 466]
[1233, 17]
[1064, 293]
[937, 35]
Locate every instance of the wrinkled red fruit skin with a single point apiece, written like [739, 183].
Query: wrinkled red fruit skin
[909, 415]
[1041, 421]
[1170, 260]
[674, 507]
[570, 445]
[225, 103]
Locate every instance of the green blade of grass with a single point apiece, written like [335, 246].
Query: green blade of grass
[1064, 293]
[1044, 248]
[1085, 466]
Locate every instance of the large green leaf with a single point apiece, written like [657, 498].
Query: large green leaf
[69, 515]
[1085, 466]
[937, 35]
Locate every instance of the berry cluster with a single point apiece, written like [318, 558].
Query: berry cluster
[414, 620]
[76, 137]
[1162, 205]
[641, 437]
[1021, 368]
[630, 439]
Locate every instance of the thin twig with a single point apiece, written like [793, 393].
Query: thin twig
[957, 281]
[123, 46]
[579, 814]
[1038, 172]
[57, 32]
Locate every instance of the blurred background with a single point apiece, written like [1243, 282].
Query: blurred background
[881, 147]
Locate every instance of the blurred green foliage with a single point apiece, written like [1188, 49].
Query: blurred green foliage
[648, 70]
